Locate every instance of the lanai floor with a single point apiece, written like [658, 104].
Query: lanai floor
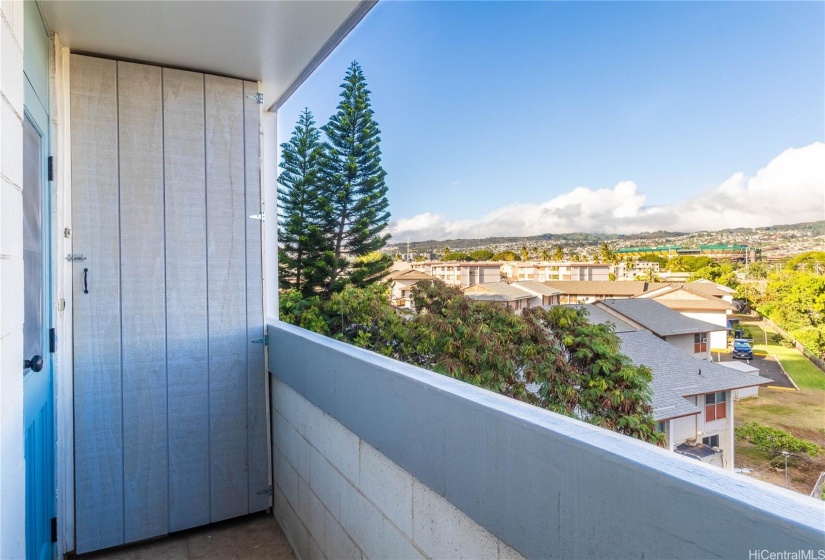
[254, 537]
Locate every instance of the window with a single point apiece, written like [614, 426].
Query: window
[700, 343]
[715, 406]
[711, 441]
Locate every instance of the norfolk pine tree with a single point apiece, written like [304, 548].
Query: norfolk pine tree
[354, 192]
[299, 231]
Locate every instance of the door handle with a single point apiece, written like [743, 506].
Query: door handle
[35, 364]
[85, 280]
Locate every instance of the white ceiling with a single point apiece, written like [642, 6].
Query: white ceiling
[272, 41]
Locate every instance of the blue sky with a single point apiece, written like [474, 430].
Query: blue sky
[533, 117]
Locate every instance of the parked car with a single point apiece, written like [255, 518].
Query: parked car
[742, 349]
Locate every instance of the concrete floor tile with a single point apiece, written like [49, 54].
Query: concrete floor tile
[254, 537]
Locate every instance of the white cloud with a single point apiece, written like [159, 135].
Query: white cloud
[789, 189]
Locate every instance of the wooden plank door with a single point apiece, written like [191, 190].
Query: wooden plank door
[170, 400]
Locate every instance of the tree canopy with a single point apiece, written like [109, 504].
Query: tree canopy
[553, 358]
[353, 191]
[299, 224]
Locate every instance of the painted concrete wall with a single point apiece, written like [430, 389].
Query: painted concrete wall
[685, 343]
[718, 339]
[684, 428]
[12, 465]
[525, 474]
[337, 497]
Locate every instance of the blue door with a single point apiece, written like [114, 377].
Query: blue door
[38, 385]
[37, 370]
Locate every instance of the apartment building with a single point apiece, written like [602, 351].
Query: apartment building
[555, 270]
[459, 273]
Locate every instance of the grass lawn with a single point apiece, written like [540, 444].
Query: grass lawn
[802, 413]
[803, 372]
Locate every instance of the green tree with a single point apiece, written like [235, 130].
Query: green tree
[299, 232]
[606, 254]
[482, 255]
[506, 256]
[687, 263]
[545, 254]
[774, 441]
[525, 254]
[457, 256]
[655, 258]
[354, 192]
[553, 359]
[558, 253]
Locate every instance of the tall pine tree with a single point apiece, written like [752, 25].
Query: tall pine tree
[354, 192]
[300, 218]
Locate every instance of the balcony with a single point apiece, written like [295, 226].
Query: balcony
[374, 458]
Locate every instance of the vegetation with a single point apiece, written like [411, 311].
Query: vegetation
[774, 441]
[794, 299]
[801, 370]
[299, 222]
[333, 203]
[506, 256]
[569, 365]
[354, 194]
[481, 255]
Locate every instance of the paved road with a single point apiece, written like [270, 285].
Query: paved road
[767, 368]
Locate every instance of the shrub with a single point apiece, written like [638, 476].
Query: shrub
[774, 441]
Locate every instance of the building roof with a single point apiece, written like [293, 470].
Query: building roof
[712, 304]
[497, 291]
[599, 315]
[657, 318]
[698, 288]
[538, 288]
[720, 287]
[677, 375]
[409, 275]
[740, 366]
[603, 287]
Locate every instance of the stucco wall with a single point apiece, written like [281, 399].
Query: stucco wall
[719, 339]
[337, 497]
[525, 474]
[12, 466]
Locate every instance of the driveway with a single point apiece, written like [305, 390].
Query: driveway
[767, 368]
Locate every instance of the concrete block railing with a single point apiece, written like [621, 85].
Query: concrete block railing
[378, 459]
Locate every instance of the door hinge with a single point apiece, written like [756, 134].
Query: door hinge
[257, 97]
[52, 340]
[264, 340]
[257, 216]
[266, 491]
[54, 529]
[51, 168]
[75, 257]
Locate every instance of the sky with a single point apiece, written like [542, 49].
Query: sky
[523, 118]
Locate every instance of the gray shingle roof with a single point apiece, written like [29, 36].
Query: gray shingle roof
[676, 375]
[658, 318]
[596, 315]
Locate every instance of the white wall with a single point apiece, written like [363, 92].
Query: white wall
[12, 464]
[719, 339]
[337, 497]
[682, 429]
[722, 428]
[686, 343]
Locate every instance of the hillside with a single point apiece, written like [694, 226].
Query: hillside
[775, 241]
